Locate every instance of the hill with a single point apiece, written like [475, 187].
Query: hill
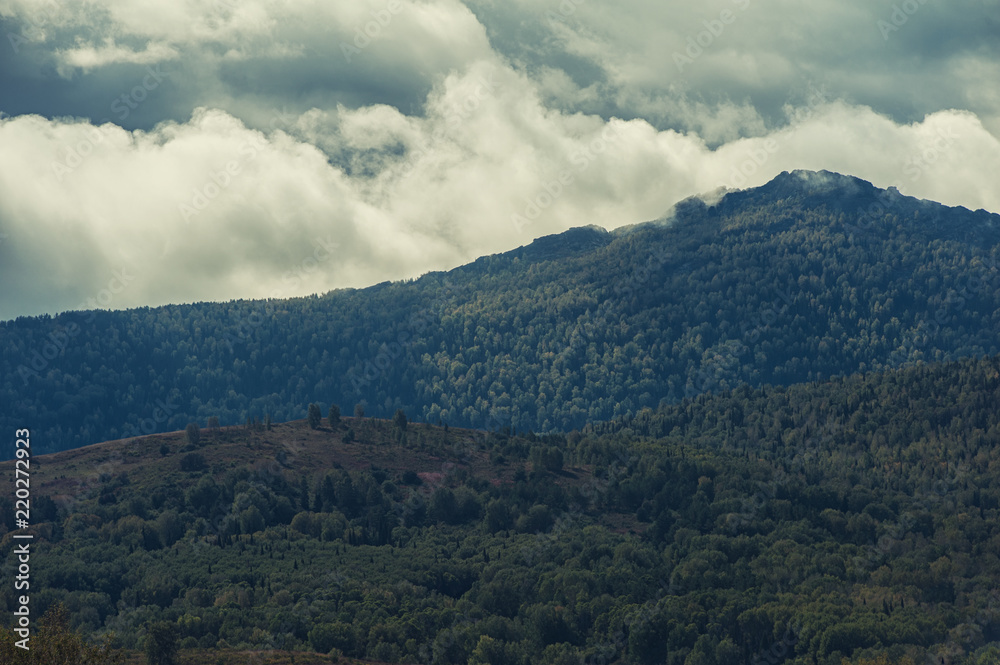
[851, 518]
[811, 276]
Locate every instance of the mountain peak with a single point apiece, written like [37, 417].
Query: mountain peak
[577, 240]
[815, 186]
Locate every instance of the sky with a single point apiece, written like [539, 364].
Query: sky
[161, 151]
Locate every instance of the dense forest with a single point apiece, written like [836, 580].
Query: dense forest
[808, 277]
[854, 518]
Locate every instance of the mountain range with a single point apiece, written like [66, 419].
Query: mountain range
[812, 276]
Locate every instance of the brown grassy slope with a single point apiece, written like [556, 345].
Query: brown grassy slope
[291, 448]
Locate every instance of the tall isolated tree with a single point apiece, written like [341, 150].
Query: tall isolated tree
[161, 643]
[315, 416]
[193, 432]
[359, 410]
[399, 420]
[333, 415]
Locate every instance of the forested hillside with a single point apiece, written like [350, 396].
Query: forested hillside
[855, 518]
[810, 276]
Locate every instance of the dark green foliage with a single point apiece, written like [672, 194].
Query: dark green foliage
[314, 416]
[546, 458]
[169, 528]
[193, 433]
[333, 416]
[399, 420]
[847, 518]
[161, 643]
[193, 462]
[538, 519]
[497, 516]
[251, 520]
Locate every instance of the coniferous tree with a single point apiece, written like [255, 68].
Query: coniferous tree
[193, 433]
[315, 416]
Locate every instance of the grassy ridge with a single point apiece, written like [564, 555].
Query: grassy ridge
[854, 518]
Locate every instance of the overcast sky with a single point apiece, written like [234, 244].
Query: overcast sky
[161, 151]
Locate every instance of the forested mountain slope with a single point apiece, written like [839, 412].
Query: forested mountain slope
[810, 276]
[854, 518]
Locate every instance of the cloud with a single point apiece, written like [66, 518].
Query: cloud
[246, 57]
[210, 208]
[723, 68]
[642, 53]
[89, 57]
[260, 148]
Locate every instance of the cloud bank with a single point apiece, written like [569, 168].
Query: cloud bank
[208, 151]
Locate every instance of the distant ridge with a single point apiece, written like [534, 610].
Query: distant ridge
[577, 240]
[810, 276]
[833, 191]
[854, 196]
